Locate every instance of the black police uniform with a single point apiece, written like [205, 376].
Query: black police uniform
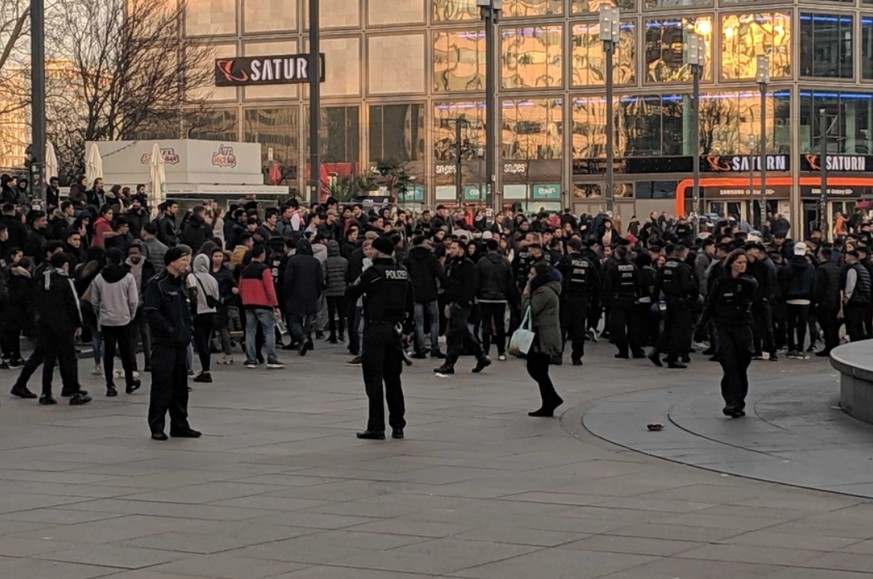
[580, 281]
[59, 315]
[388, 302]
[676, 282]
[168, 309]
[730, 307]
[620, 291]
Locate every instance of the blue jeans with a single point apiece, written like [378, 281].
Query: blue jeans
[268, 324]
[434, 314]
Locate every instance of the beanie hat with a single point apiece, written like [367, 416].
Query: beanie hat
[175, 253]
[383, 245]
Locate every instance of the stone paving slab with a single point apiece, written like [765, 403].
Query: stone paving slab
[279, 486]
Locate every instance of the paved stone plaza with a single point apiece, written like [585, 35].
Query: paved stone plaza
[280, 487]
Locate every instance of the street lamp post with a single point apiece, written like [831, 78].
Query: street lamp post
[610, 20]
[696, 55]
[823, 161]
[762, 77]
[37, 43]
[314, 102]
[459, 151]
[490, 12]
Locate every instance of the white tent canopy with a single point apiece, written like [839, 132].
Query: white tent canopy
[93, 163]
[51, 161]
[157, 176]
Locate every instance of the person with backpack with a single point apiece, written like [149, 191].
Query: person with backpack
[208, 299]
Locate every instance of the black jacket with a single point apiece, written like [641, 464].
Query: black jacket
[765, 274]
[304, 280]
[137, 219]
[196, 233]
[797, 279]
[167, 232]
[169, 311]
[460, 281]
[827, 286]
[494, 279]
[730, 301]
[55, 302]
[425, 271]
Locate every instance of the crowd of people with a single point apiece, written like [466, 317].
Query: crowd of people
[104, 270]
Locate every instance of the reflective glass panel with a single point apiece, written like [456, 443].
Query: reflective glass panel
[649, 126]
[340, 134]
[214, 125]
[730, 123]
[666, 57]
[588, 67]
[454, 10]
[527, 8]
[589, 127]
[459, 61]
[445, 118]
[531, 129]
[745, 36]
[397, 132]
[656, 4]
[867, 48]
[593, 6]
[849, 116]
[826, 48]
[275, 128]
[531, 57]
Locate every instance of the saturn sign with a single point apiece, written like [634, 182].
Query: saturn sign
[262, 70]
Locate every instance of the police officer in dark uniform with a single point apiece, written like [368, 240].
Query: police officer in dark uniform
[388, 303]
[581, 280]
[620, 291]
[729, 305]
[676, 281]
[169, 311]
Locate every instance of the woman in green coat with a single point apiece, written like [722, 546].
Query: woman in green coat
[542, 294]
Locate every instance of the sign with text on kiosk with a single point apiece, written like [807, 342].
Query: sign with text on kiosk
[264, 70]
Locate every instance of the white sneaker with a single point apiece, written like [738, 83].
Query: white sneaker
[275, 366]
[251, 366]
[502, 357]
[97, 371]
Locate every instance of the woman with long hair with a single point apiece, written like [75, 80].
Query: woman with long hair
[729, 305]
[542, 295]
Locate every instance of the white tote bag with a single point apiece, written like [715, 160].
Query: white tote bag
[522, 338]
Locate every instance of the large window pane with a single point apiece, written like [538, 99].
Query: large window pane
[826, 46]
[397, 132]
[531, 129]
[527, 8]
[867, 48]
[459, 61]
[454, 10]
[666, 58]
[745, 36]
[589, 61]
[445, 119]
[214, 125]
[849, 115]
[340, 134]
[276, 129]
[531, 57]
[730, 123]
[649, 126]
[656, 4]
[593, 6]
[589, 127]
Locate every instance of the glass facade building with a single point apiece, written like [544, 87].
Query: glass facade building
[400, 74]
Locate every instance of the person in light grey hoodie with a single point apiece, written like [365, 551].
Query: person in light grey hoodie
[115, 300]
[208, 298]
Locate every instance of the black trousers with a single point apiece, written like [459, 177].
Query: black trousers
[735, 347]
[763, 328]
[623, 326]
[336, 314]
[203, 324]
[493, 326]
[10, 341]
[796, 324]
[382, 363]
[538, 369]
[830, 327]
[60, 347]
[858, 320]
[140, 334]
[676, 339]
[118, 337]
[36, 359]
[574, 320]
[169, 388]
[458, 336]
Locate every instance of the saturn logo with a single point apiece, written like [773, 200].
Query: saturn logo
[226, 69]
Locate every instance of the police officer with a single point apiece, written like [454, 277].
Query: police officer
[730, 306]
[620, 291]
[388, 302]
[169, 311]
[857, 297]
[581, 280]
[676, 281]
